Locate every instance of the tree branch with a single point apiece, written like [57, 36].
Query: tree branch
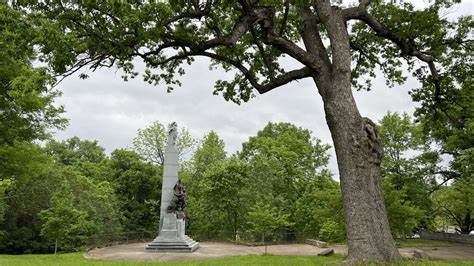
[356, 47]
[355, 12]
[312, 40]
[277, 81]
[198, 12]
[272, 84]
[285, 17]
[454, 216]
[447, 176]
[336, 27]
[407, 46]
[267, 60]
[264, 16]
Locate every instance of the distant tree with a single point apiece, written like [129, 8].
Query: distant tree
[80, 208]
[295, 146]
[24, 161]
[150, 143]
[64, 223]
[284, 160]
[332, 231]
[404, 215]
[4, 185]
[447, 113]
[74, 150]
[456, 204]
[225, 189]
[137, 186]
[408, 173]
[202, 220]
[33, 178]
[86, 156]
[265, 220]
[210, 151]
[335, 45]
[318, 212]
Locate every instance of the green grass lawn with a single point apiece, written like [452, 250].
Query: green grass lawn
[78, 259]
[424, 243]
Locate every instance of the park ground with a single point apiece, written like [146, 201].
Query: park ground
[216, 253]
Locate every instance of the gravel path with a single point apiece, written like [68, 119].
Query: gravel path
[210, 250]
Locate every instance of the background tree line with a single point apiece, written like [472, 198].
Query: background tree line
[277, 188]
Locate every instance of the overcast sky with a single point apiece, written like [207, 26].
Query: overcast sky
[109, 110]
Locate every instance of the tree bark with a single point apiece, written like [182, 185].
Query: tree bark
[356, 140]
[359, 154]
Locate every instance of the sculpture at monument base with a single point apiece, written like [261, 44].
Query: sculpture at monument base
[172, 237]
[178, 203]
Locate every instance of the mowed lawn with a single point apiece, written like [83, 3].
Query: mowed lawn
[78, 259]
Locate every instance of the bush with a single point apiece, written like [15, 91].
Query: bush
[331, 232]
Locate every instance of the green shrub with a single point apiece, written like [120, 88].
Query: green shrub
[331, 232]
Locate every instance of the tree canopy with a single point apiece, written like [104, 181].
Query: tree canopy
[251, 36]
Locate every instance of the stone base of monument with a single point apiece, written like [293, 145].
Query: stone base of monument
[184, 244]
[172, 237]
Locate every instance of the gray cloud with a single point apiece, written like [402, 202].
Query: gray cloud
[107, 109]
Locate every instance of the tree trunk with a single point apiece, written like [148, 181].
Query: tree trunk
[466, 225]
[359, 154]
[56, 246]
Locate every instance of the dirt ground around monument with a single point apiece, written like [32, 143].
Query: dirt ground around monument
[209, 250]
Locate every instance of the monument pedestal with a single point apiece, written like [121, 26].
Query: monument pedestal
[172, 237]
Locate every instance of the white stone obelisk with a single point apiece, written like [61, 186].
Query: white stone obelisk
[170, 171]
[172, 236]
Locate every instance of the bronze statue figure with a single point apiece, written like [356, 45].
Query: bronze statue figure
[178, 203]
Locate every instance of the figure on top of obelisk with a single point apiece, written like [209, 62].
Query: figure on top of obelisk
[172, 133]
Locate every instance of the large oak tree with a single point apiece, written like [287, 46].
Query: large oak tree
[336, 46]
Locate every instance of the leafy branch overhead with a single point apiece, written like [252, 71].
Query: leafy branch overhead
[251, 38]
[27, 109]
